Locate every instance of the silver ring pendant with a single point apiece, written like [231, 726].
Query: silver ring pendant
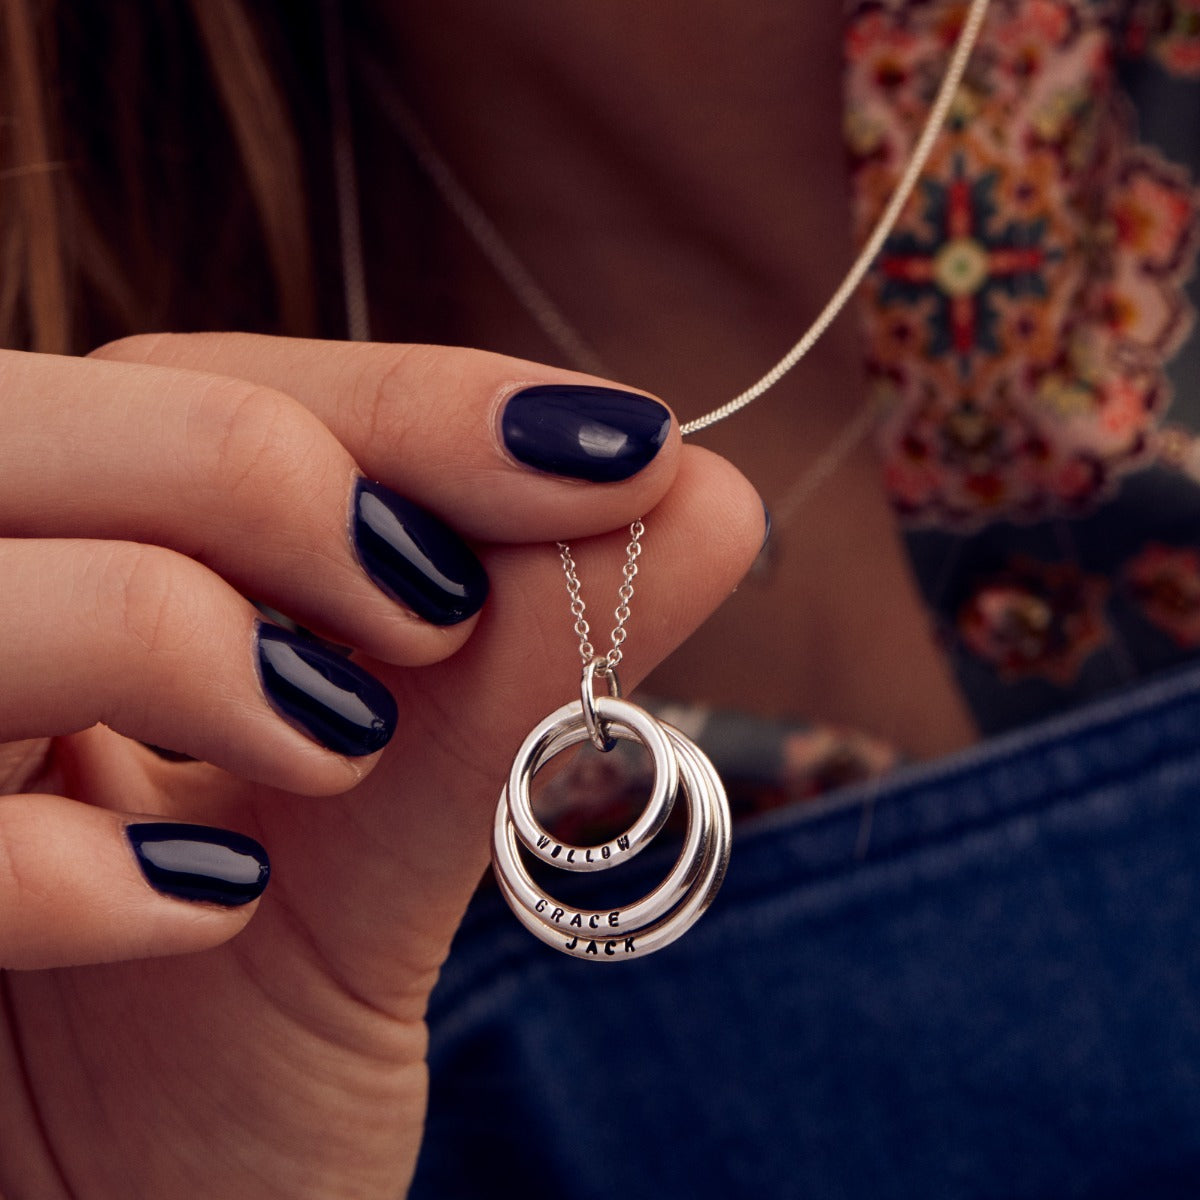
[566, 727]
[667, 911]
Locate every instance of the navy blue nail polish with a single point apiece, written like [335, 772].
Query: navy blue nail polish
[414, 557]
[323, 694]
[198, 862]
[766, 527]
[595, 433]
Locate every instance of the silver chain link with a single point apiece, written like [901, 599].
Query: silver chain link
[587, 652]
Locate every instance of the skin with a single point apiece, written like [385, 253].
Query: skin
[289, 1061]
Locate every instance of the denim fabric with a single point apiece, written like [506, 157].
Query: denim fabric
[980, 980]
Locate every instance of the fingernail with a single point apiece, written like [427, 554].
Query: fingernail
[414, 557]
[322, 694]
[198, 862]
[595, 433]
[766, 527]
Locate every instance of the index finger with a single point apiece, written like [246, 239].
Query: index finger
[448, 426]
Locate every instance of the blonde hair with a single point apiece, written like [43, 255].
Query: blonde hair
[67, 272]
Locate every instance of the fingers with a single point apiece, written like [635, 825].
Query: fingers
[84, 885]
[159, 648]
[238, 474]
[496, 446]
[252, 488]
[240, 478]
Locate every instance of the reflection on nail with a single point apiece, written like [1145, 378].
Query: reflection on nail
[595, 433]
[324, 695]
[415, 558]
[199, 862]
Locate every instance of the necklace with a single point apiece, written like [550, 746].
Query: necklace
[679, 765]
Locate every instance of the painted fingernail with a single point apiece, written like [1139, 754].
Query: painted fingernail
[416, 559]
[322, 694]
[595, 433]
[198, 862]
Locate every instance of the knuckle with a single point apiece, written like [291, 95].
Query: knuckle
[150, 595]
[382, 406]
[251, 440]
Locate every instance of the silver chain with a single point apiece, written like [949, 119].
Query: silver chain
[587, 652]
[887, 221]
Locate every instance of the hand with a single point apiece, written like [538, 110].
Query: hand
[143, 492]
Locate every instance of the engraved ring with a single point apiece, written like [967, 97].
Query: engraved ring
[618, 716]
[522, 889]
[663, 914]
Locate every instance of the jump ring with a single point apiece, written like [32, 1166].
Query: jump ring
[597, 730]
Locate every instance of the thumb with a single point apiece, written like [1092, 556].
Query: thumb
[83, 885]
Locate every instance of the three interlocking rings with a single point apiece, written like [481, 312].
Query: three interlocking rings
[659, 917]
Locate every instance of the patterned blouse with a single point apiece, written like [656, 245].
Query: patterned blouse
[1031, 342]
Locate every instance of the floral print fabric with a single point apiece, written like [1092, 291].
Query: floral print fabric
[1027, 330]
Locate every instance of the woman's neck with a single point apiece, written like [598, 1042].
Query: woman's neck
[671, 173]
[673, 176]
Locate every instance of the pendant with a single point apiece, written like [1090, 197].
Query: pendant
[680, 768]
